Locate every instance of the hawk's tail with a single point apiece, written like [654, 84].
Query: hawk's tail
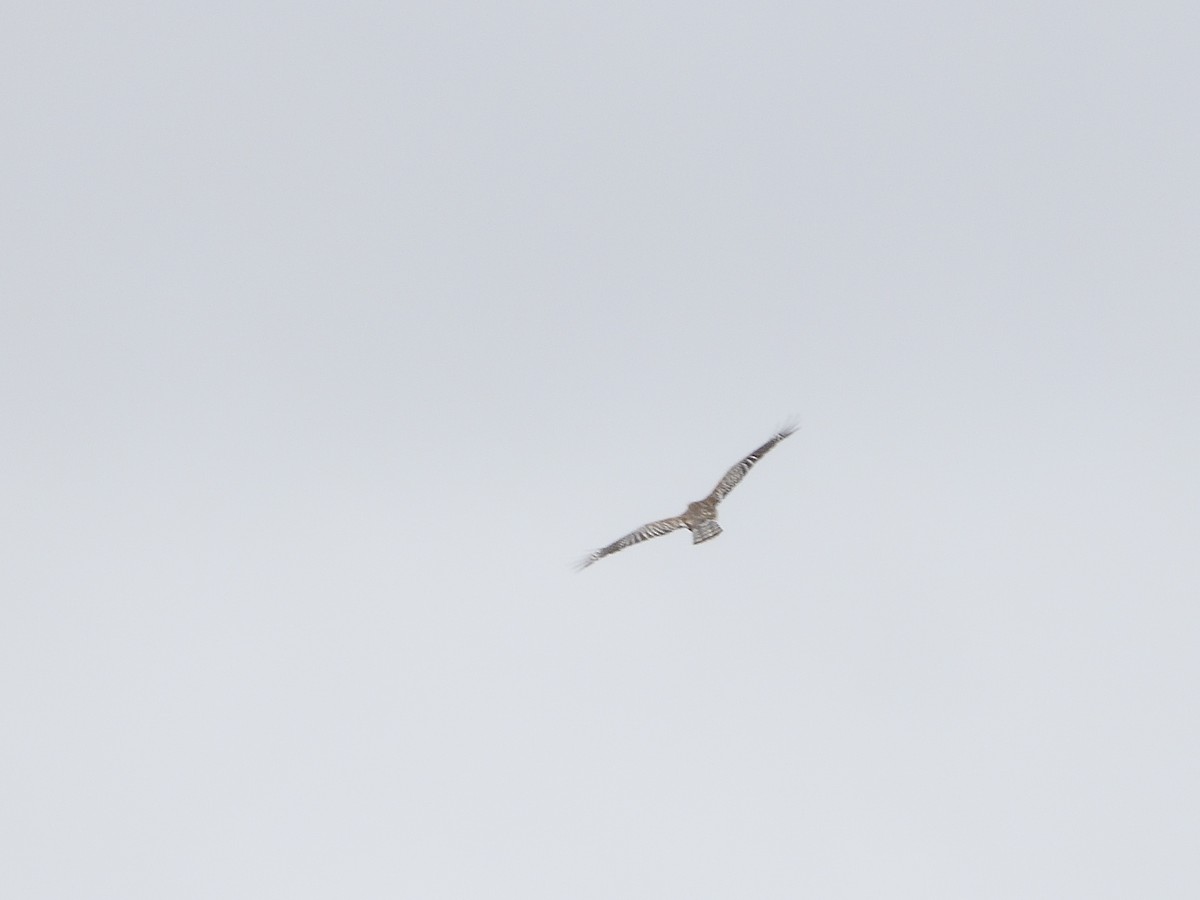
[705, 531]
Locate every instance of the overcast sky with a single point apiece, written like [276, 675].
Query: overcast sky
[333, 334]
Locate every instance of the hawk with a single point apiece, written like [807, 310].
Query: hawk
[700, 518]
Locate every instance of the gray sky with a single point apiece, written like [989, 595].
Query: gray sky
[333, 334]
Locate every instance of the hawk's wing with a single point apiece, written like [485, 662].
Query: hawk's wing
[647, 531]
[738, 472]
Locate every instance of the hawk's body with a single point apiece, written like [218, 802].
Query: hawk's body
[700, 517]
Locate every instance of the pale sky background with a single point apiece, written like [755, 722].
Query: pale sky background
[334, 333]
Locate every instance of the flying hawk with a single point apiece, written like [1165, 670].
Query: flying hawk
[700, 518]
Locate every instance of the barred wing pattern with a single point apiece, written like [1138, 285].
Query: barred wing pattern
[647, 531]
[734, 476]
[700, 517]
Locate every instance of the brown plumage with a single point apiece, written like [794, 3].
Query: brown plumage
[700, 517]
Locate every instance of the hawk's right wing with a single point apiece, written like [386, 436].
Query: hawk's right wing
[647, 531]
[734, 476]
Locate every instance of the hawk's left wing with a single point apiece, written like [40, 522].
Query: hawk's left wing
[647, 531]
